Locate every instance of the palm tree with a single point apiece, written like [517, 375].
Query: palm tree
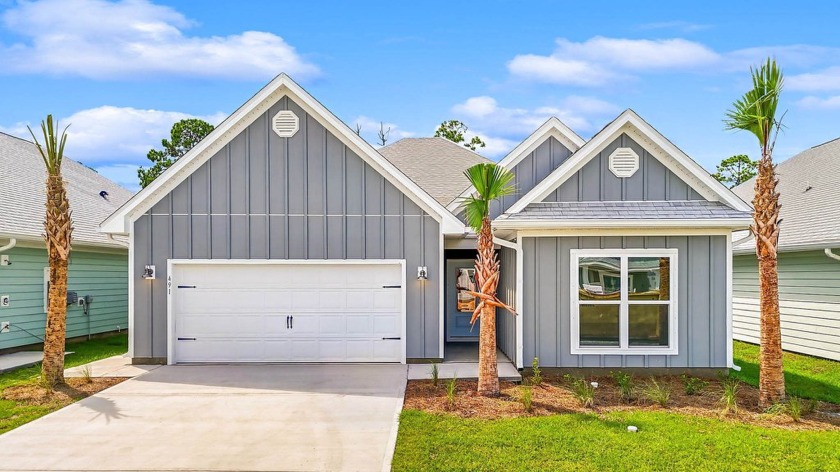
[756, 112]
[58, 229]
[491, 182]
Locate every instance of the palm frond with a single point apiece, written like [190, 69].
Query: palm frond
[52, 152]
[756, 110]
[491, 182]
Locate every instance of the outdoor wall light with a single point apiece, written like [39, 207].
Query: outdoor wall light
[422, 273]
[149, 272]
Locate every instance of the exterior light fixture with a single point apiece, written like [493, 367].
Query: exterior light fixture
[149, 272]
[422, 273]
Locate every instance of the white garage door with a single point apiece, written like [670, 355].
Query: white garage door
[286, 312]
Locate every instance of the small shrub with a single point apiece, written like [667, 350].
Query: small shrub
[451, 392]
[527, 400]
[795, 405]
[536, 372]
[87, 373]
[657, 393]
[693, 385]
[625, 385]
[729, 400]
[776, 410]
[584, 391]
[435, 375]
[809, 406]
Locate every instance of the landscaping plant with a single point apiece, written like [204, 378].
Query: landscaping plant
[693, 385]
[536, 372]
[582, 390]
[435, 374]
[58, 233]
[625, 385]
[756, 112]
[729, 400]
[527, 400]
[656, 392]
[451, 392]
[491, 182]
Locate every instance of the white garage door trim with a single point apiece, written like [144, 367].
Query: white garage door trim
[171, 263]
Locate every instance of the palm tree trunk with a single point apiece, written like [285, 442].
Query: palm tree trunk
[486, 269]
[766, 229]
[58, 232]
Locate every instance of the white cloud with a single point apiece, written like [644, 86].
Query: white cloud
[370, 130]
[828, 79]
[600, 60]
[110, 134]
[502, 128]
[135, 38]
[817, 103]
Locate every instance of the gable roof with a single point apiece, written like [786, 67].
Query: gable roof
[282, 85]
[810, 197]
[553, 127]
[648, 137]
[23, 193]
[436, 164]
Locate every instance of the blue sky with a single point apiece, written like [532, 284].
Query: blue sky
[122, 72]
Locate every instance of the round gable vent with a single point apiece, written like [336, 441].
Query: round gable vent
[285, 124]
[624, 162]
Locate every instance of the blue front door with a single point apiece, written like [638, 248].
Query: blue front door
[460, 276]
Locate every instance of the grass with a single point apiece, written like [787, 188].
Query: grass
[805, 376]
[14, 414]
[582, 442]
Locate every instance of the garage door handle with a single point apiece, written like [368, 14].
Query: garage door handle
[186, 286]
[186, 339]
[391, 339]
[392, 286]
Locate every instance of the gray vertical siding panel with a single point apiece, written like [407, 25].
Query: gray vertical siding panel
[701, 301]
[652, 182]
[142, 328]
[505, 321]
[263, 196]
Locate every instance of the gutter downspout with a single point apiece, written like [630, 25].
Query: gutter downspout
[116, 241]
[828, 253]
[13, 243]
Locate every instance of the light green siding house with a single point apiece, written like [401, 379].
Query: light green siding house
[98, 264]
[809, 257]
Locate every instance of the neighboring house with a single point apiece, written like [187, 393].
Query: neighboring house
[285, 237]
[809, 256]
[97, 263]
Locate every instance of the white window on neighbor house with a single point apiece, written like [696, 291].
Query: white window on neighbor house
[624, 301]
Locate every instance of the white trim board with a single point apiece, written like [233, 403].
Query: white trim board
[553, 127]
[546, 224]
[279, 87]
[653, 142]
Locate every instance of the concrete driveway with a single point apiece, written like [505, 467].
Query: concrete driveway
[225, 417]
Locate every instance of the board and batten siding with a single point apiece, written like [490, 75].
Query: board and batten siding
[304, 197]
[651, 182]
[701, 311]
[809, 302]
[506, 321]
[531, 170]
[103, 275]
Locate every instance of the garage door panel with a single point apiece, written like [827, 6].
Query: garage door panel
[240, 313]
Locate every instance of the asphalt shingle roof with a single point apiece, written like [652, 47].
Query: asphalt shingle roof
[437, 165]
[659, 210]
[22, 194]
[809, 191]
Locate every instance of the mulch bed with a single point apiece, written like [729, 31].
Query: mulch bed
[75, 389]
[555, 396]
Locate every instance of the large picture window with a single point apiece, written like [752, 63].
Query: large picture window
[624, 301]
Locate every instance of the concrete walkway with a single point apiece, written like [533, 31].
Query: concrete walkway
[116, 366]
[17, 360]
[461, 370]
[223, 417]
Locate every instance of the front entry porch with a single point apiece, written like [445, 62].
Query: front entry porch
[461, 361]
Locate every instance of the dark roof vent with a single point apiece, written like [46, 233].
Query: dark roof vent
[103, 194]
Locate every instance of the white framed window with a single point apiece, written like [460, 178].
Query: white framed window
[624, 301]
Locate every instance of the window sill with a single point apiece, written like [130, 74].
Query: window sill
[667, 351]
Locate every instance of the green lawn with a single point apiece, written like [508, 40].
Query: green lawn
[666, 441]
[14, 414]
[579, 442]
[805, 376]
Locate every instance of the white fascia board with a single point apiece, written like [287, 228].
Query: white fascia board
[813, 246]
[519, 224]
[119, 222]
[553, 127]
[652, 141]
